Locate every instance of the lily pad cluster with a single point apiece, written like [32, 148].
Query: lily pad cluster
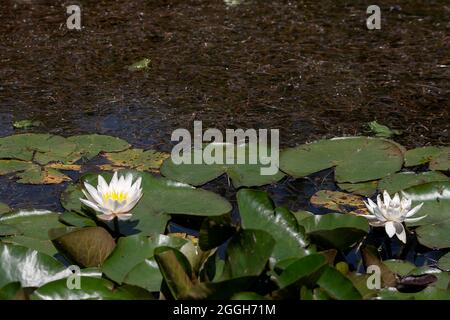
[41, 158]
[245, 247]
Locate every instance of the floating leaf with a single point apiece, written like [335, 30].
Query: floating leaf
[245, 174]
[38, 175]
[32, 223]
[44, 246]
[91, 289]
[12, 166]
[146, 275]
[418, 156]
[356, 159]
[303, 270]
[133, 250]
[337, 286]
[140, 65]
[137, 159]
[43, 148]
[24, 124]
[29, 267]
[257, 212]
[366, 189]
[435, 227]
[444, 262]
[4, 208]
[74, 219]
[87, 247]
[336, 230]
[441, 161]
[91, 145]
[247, 253]
[7, 230]
[400, 267]
[400, 181]
[430, 293]
[339, 201]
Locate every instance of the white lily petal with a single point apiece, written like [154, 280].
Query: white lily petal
[91, 205]
[400, 231]
[106, 217]
[395, 201]
[369, 207]
[124, 216]
[386, 198]
[380, 203]
[93, 192]
[102, 185]
[414, 210]
[413, 220]
[390, 228]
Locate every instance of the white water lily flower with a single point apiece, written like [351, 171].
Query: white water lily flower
[391, 213]
[114, 200]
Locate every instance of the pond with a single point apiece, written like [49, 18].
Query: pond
[138, 70]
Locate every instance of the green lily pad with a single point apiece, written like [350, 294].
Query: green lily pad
[44, 148]
[44, 246]
[430, 293]
[441, 161]
[247, 253]
[145, 275]
[336, 230]
[245, 174]
[422, 155]
[76, 220]
[436, 202]
[337, 286]
[400, 267]
[137, 159]
[400, 181]
[32, 223]
[257, 212]
[87, 247]
[366, 189]
[444, 262]
[302, 271]
[356, 159]
[7, 230]
[89, 146]
[133, 250]
[91, 289]
[29, 267]
[39, 175]
[4, 208]
[12, 166]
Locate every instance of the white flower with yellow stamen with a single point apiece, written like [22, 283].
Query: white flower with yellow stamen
[391, 213]
[114, 200]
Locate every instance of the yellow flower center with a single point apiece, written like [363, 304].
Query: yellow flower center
[119, 196]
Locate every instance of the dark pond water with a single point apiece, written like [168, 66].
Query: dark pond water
[308, 68]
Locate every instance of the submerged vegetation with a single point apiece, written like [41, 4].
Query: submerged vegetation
[184, 242]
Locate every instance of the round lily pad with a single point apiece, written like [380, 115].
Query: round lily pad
[356, 159]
